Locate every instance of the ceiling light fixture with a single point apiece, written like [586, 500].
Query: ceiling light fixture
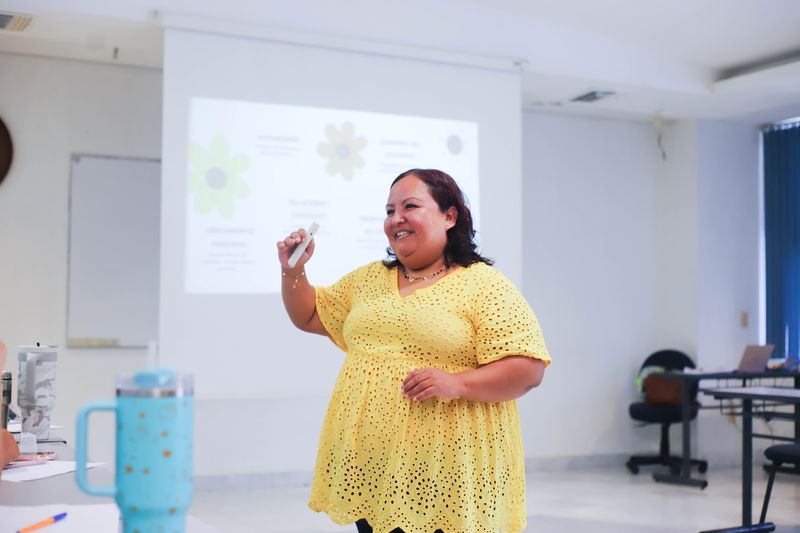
[593, 96]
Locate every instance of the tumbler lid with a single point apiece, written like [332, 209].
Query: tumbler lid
[40, 352]
[155, 383]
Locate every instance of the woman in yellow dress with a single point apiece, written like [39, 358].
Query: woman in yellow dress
[422, 433]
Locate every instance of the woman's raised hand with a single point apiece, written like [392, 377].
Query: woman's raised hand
[287, 246]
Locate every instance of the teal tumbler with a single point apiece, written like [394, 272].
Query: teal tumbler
[153, 483]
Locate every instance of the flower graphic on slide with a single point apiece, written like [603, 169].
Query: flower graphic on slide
[215, 176]
[342, 150]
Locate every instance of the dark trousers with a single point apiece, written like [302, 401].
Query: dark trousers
[364, 527]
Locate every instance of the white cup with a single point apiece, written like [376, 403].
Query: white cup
[36, 388]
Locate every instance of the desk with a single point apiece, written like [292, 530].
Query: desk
[56, 489]
[689, 380]
[747, 395]
[64, 490]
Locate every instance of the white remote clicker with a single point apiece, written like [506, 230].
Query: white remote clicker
[310, 233]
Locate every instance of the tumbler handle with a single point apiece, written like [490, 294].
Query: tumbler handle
[80, 453]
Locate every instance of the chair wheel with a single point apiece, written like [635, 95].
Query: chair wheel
[702, 467]
[632, 467]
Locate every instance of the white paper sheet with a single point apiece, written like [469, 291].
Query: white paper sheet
[41, 471]
[102, 518]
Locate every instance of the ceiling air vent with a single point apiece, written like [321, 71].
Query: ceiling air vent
[593, 96]
[14, 21]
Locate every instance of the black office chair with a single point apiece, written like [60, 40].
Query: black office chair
[664, 415]
[778, 454]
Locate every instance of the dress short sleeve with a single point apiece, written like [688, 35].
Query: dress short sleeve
[504, 322]
[333, 305]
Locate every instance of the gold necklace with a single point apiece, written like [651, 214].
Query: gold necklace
[412, 279]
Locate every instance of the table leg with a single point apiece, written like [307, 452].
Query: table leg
[747, 462]
[797, 412]
[686, 422]
[747, 479]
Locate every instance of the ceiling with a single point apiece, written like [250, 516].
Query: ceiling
[667, 59]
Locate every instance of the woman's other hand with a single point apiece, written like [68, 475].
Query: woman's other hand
[425, 383]
[499, 381]
[287, 246]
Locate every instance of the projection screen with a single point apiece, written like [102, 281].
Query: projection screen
[262, 136]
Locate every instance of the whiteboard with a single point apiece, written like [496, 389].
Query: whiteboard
[113, 260]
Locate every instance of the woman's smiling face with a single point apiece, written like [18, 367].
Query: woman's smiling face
[415, 226]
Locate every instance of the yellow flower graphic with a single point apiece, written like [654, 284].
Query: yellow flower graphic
[342, 150]
[215, 177]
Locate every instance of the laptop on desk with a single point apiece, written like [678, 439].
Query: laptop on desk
[754, 358]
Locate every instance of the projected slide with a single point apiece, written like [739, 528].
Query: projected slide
[257, 171]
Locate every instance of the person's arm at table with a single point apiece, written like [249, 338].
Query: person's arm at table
[8, 447]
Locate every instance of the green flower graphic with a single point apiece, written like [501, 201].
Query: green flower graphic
[342, 150]
[215, 177]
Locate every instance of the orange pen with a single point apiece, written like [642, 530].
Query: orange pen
[43, 523]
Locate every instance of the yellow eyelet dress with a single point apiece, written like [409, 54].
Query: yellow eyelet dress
[453, 465]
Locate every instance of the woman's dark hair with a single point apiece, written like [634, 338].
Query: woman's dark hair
[460, 248]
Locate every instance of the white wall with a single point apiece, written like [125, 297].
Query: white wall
[675, 239]
[727, 236]
[708, 264]
[627, 252]
[54, 108]
[589, 253]
[728, 233]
